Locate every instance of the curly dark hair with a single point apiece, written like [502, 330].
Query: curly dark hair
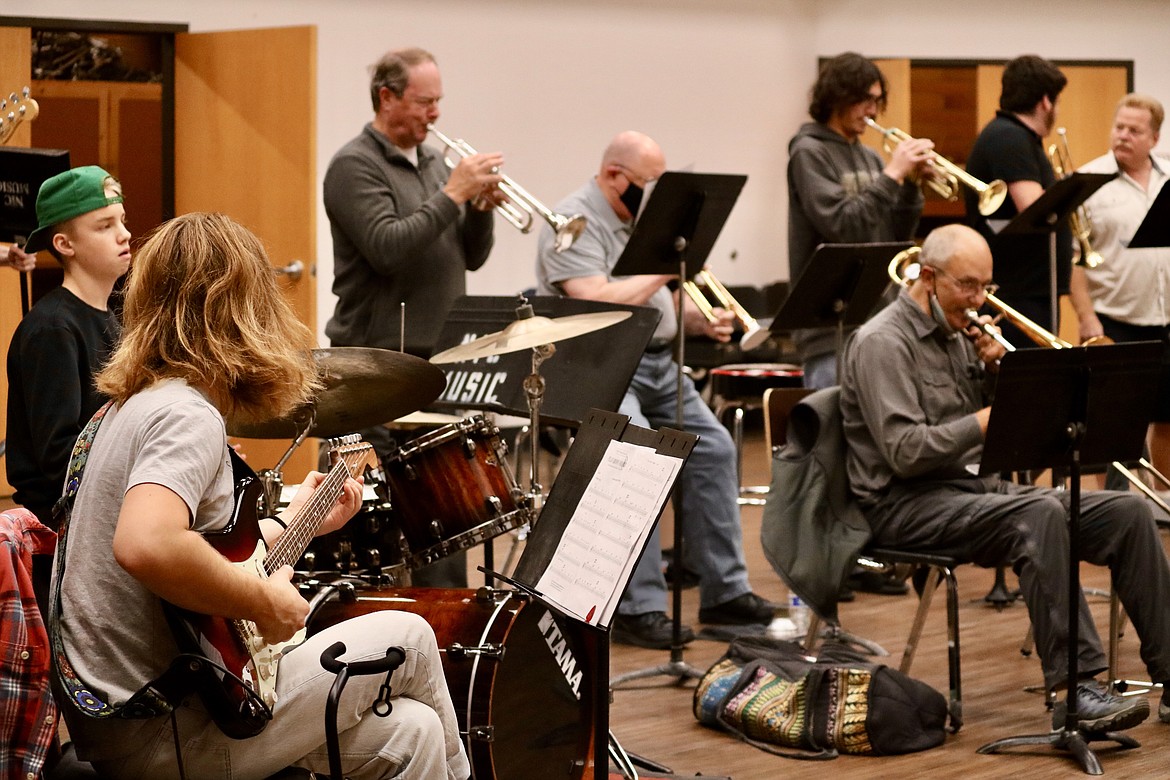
[843, 81]
[1026, 80]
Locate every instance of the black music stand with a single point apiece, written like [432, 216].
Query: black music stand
[597, 430]
[24, 171]
[674, 234]
[839, 287]
[1099, 408]
[1155, 228]
[1048, 212]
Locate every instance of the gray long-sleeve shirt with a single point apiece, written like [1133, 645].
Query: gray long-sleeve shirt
[396, 238]
[908, 397]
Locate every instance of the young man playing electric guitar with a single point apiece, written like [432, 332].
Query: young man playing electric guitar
[207, 335]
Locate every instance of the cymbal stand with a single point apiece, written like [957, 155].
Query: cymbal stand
[272, 480]
[534, 393]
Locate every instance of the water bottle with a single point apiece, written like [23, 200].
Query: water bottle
[798, 613]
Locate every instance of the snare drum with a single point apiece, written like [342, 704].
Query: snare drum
[520, 677]
[452, 488]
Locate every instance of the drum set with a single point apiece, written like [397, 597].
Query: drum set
[519, 674]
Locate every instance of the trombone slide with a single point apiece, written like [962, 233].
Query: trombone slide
[753, 335]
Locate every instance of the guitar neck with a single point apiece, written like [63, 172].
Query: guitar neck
[300, 532]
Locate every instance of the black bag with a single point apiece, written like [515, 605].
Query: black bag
[772, 696]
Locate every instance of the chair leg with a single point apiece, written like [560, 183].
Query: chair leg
[953, 650]
[933, 578]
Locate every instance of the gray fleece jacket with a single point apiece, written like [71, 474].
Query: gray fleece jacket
[838, 194]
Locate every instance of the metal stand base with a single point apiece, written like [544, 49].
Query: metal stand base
[680, 670]
[1074, 741]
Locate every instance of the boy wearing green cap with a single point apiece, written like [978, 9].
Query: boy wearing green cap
[64, 340]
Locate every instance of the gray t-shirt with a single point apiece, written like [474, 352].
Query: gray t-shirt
[114, 630]
[595, 253]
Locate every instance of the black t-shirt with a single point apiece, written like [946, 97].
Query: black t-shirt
[55, 353]
[1007, 149]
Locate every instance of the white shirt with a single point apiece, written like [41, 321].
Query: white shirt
[1131, 285]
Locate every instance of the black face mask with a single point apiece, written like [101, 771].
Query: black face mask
[632, 198]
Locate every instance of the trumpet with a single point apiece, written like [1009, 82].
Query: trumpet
[520, 208]
[753, 334]
[904, 268]
[1078, 221]
[990, 195]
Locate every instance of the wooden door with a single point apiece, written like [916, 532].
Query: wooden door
[15, 74]
[897, 113]
[245, 145]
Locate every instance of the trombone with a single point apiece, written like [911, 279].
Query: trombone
[904, 267]
[903, 270]
[521, 207]
[990, 195]
[753, 334]
[1078, 221]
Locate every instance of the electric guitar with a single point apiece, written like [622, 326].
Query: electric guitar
[242, 704]
[23, 109]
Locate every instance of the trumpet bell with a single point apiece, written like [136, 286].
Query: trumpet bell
[566, 230]
[992, 197]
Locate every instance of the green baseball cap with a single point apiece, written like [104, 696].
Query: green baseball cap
[68, 195]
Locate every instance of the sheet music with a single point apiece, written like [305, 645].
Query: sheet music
[600, 546]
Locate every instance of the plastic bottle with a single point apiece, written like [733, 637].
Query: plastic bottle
[798, 613]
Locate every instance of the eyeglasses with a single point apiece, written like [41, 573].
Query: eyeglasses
[968, 286]
[633, 177]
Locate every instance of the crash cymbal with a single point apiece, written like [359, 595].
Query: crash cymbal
[530, 332]
[364, 387]
[423, 419]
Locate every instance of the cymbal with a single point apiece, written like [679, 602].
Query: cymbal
[364, 387]
[528, 333]
[423, 419]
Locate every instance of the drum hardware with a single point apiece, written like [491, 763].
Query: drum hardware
[991, 196]
[518, 714]
[538, 334]
[364, 387]
[520, 207]
[1079, 221]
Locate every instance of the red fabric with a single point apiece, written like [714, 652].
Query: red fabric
[28, 715]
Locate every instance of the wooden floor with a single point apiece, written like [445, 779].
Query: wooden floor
[654, 719]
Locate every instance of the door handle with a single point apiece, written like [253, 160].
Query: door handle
[293, 270]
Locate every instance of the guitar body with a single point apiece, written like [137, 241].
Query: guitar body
[241, 700]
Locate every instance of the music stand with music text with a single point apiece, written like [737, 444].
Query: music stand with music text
[24, 171]
[1098, 406]
[839, 288]
[597, 432]
[674, 234]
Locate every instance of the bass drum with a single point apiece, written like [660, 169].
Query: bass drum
[520, 677]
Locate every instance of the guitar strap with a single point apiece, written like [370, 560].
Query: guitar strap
[157, 697]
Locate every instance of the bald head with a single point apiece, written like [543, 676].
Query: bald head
[633, 150]
[950, 242]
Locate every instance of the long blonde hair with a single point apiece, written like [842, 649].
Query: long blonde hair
[202, 305]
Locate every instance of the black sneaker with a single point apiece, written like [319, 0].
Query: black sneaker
[1099, 711]
[882, 583]
[1164, 704]
[649, 629]
[740, 611]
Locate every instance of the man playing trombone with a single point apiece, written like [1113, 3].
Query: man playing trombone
[914, 401]
[711, 525]
[1127, 296]
[405, 229]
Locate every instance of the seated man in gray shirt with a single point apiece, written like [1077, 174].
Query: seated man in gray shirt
[709, 486]
[914, 401]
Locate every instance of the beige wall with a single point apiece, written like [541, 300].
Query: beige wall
[722, 85]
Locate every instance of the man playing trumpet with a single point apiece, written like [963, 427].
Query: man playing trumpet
[841, 191]
[405, 230]
[914, 401]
